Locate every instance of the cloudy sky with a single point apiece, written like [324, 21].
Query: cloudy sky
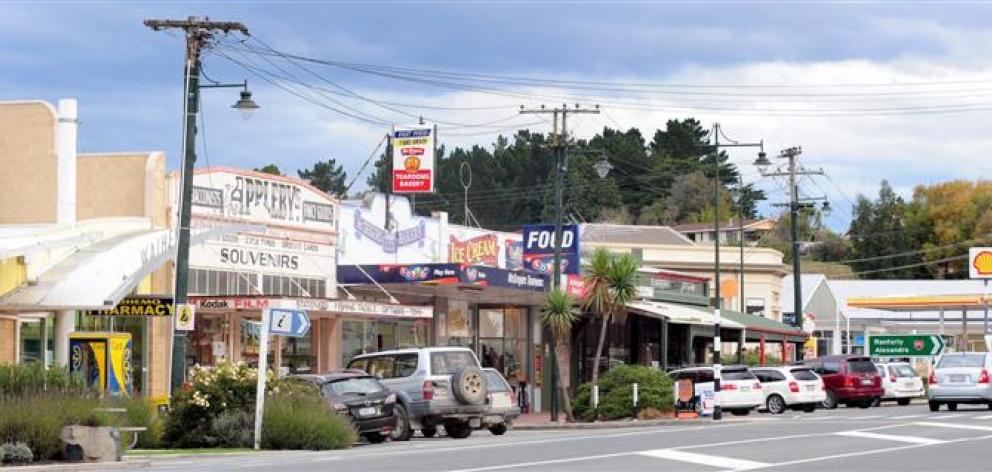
[871, 90]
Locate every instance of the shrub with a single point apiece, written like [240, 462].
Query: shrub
[304, 422]
[30, 378]
[37, 420]
[234, 428]
[616, 393]
[15, 453]
[139, 412]
[751, 359]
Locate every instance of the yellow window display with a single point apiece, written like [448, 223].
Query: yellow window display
[104, 361]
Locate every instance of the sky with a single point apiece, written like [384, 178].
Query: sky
[871, 90]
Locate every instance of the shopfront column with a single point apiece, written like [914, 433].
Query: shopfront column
[65, 323]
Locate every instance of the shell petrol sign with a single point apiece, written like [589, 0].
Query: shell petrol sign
[980, 262]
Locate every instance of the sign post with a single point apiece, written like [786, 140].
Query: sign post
[905, 345]
[282, 322]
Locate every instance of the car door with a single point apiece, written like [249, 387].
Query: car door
[830, 372]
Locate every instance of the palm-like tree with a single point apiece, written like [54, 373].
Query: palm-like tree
[611, 283]
[558, 315]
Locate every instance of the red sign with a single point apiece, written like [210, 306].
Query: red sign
[481, 250]
[412, 181]
[575, 285]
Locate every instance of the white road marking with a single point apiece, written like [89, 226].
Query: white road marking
[867, 417]
[704, 459]
[547, 462]
[904, 417]
[326, 459]
[983, 417]
[955, 426]
[945, 417]
[889, 437]
[818, 418]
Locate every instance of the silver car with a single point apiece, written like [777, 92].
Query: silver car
[961, 377]
[503, 407]
[434, 386]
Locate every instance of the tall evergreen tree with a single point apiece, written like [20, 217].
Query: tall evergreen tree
[269, 169]
[328, 176]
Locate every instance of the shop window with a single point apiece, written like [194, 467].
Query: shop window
[297, 354]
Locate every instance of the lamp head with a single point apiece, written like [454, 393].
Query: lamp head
[245, 104]
[602, 166]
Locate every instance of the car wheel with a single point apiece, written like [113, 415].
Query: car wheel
[401, 430]
[866, 403]
[903, 401]
[775, 404]
[498, 429]
[458, 430]
[743, 412]
[429, 432]
[809, 408]
[876, 401]
[934, 406]
[830, 402]
[952, 406]
[990, 406]
[375, 438]
[469, 386]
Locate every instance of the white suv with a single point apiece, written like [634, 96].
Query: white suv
[901, 382]
[434, 386]
[795, 387]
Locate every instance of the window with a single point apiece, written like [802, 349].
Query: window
[445, 363]
[355, 386]
[495, 383]
[861, 367]
[704, 376]
[902, 371]
[963, 360]
[406, 365]
[742, 374]
[359, 364]
[765, 376]
[381, 367]
[803, 374]
[833, 367]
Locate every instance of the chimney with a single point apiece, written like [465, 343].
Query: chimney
[68, 127]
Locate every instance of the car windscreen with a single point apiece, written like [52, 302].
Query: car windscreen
[902, 370]
[495, 382]
[450, 362]
[963, 360]
[352, 386]
[803, 374]
[861, 367]
[737, 374]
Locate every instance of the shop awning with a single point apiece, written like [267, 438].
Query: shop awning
[442, 274]
[98, 276]
[314, 306]
[679, 314]
[759, 325]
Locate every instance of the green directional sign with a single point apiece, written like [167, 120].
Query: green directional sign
[905, 345]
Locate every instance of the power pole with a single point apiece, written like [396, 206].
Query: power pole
[559, 145]
[794, 170]
[199, 33]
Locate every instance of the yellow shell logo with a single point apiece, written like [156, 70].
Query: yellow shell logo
[983, 263]
[411, 163]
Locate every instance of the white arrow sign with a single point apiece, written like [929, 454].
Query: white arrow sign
[288, 322]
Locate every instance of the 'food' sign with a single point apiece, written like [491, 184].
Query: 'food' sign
[539, 248]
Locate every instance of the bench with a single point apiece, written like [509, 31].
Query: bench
[134, 430]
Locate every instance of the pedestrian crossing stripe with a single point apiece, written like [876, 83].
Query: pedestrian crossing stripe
[705, 459]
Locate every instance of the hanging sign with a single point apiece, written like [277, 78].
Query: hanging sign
[539, 248]
[413, 159]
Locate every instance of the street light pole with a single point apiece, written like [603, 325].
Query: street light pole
[198, 35]
[559, 145]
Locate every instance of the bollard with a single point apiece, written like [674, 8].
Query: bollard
[595, 402]
[635, 402]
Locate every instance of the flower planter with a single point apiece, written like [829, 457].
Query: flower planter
[91, 443]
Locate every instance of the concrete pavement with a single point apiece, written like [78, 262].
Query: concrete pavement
[877, 439]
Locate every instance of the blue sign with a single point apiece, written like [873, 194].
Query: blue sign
[539, 248]
[287, 322]
[859, 340]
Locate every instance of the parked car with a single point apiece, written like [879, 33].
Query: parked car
[792, 387]
[900, 381]
[960, 377]
[740, 391]
[503, 407]
[848, 379]
[361, 397]
[434, 386]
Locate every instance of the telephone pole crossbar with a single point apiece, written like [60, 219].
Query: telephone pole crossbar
[559, 145]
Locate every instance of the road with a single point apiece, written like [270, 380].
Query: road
[887, 438]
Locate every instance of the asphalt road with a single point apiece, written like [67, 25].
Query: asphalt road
[888, 438]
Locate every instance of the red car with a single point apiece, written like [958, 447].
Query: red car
[848, 379]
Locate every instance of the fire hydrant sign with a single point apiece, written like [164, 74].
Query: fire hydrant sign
[413, 159]
[980, 262]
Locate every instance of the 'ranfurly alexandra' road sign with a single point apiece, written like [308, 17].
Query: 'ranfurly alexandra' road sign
[905, 345]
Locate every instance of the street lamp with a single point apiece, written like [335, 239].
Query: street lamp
[245, 104]
[602, 166]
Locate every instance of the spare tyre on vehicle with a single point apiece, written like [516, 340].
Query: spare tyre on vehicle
[469, 385]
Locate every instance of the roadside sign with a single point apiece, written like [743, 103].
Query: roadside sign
[980, 262]
[185, 317]
[905, 345]
[288, 322]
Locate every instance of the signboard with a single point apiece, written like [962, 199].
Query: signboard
[363, 238]
[905, 345]
[137, 306]
[480, 250]
[442, 274]
[539, 248]
[810, 348]
[809, 323]
[348, 307]
[413, 159]
[287, 322]
[185, 317]
[980, 262]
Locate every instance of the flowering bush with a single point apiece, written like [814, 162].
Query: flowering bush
[211, 392]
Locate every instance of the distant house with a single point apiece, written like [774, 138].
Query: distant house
[754, 230]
